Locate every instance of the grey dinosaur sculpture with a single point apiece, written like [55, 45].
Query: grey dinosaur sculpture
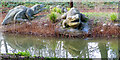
[73, 18]
[22, 13]
[73, 22]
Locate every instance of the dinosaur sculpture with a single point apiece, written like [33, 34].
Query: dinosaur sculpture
[73, 18]
[22, 13]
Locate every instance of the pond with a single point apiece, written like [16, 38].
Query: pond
[59, 47]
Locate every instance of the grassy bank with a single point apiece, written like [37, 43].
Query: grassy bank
[26, 56]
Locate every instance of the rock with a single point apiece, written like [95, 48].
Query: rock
[86, 27]
[61, 30]
[116, 24]
[29, 23]
[45, 25]
[104, 24]
[101, 30]
[22, 13]
[71, 30]
[109, 24]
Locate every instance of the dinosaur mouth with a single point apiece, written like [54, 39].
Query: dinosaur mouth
[74, 24]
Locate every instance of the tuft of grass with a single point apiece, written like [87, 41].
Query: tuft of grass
[99, 16]
[54, 9]
[68, 9]
[53, 17]
[26, 53]
[58, 10]
[113, 16]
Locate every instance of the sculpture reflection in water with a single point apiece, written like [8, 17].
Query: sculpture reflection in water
[3, 44]
[93, 49]
[61, 48]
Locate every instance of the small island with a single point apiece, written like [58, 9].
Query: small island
[43, 30]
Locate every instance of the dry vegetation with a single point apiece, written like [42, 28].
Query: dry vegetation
[43, 27]
[37, 27]
[106, 31]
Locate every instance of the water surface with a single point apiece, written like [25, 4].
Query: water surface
[59, 47]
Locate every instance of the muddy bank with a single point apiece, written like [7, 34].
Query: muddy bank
[44, 29]
[106, 30]
[41, 26]
[36, 27]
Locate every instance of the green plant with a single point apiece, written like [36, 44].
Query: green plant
[48, 7]
[68, 9]
[26, 53]
[59, 11]
[53, 17]
[113, 17]
[54, 9]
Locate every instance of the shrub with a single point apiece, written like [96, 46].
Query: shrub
[59, 11]
[26, 53]
[47, 8]
[113, 17]
[53, 17]
[54, 9]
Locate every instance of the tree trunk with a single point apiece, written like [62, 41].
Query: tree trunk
[119, 11]
[71, 3]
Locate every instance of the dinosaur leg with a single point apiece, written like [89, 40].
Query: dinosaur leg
[9, 17]
[63, 23]
[64, 16]
[29, 13]
[19, 16]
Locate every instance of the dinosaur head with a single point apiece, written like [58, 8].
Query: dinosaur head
[37, 8]
[5, 22]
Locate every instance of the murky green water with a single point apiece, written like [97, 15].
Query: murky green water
[59, 47]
